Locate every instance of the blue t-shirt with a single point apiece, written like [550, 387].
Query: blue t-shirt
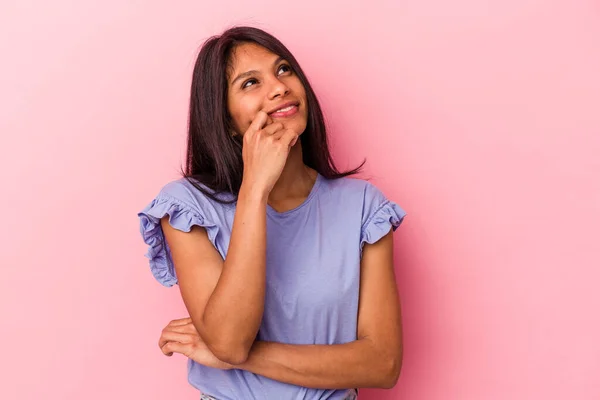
[313, 269]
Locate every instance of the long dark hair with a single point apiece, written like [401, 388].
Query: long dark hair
[214, 156]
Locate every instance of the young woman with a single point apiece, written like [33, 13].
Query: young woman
[284, 263]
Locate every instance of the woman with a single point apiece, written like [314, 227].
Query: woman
[284, 263]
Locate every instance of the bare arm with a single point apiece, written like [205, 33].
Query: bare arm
[374, 360]
[225, 299]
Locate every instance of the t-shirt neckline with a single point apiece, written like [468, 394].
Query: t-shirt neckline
[312, 193]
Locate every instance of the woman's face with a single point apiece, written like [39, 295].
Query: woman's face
[261, 80]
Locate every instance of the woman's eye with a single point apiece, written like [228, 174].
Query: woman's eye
[246, 84]
[285, 68]
[281, 70]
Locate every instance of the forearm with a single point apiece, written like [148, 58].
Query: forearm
[235, 309]
[356, 364]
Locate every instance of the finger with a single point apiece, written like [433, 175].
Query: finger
[175, 337]
[279, 134]
[182, 321]
[273, 128]
[187, 328]
[289, 137]
[174, 347]
[165, 349]
[259, 121]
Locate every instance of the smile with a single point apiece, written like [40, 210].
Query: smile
[285, 112]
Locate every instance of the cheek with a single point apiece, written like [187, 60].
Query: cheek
[240, 119]
[302, 94]
[299, 87]
[245, 113]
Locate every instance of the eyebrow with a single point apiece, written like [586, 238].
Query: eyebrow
[252, 72]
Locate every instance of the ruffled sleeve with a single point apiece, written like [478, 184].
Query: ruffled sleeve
[379, 216]
[182, 216]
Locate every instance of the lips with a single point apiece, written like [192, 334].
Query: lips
[289, 111]
[284, 108]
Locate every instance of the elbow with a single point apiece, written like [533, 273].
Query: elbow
[230, 353]
[390, 373]
[230, 348]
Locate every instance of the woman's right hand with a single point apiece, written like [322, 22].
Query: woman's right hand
[265, 150]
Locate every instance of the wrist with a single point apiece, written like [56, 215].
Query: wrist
[252, 192]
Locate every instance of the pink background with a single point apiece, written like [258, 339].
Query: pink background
[481, 118]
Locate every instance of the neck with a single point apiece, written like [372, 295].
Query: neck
[296, 179]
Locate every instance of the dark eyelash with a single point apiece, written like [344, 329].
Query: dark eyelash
[248, 81]
[254, 80]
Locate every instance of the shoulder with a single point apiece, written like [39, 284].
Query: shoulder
[189, 202]
[356, 189]
[186, 206]
[191, 193]
[377, 213]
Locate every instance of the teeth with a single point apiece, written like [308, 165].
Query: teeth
[285, 109]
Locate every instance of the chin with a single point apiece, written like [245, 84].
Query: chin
[296, 126]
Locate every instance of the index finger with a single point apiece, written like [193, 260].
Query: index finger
[181, 321]
[259, 121]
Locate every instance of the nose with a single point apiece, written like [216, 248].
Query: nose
[278, 89]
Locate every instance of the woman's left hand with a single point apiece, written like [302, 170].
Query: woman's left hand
[180, 336]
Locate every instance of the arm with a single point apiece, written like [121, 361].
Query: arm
[225, 299]
[374, 360]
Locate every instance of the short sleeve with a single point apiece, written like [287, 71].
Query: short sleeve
[379, 216]
[174, 201]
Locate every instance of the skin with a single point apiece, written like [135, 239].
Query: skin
[270, 83]
[225, 298]
[260, 81]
